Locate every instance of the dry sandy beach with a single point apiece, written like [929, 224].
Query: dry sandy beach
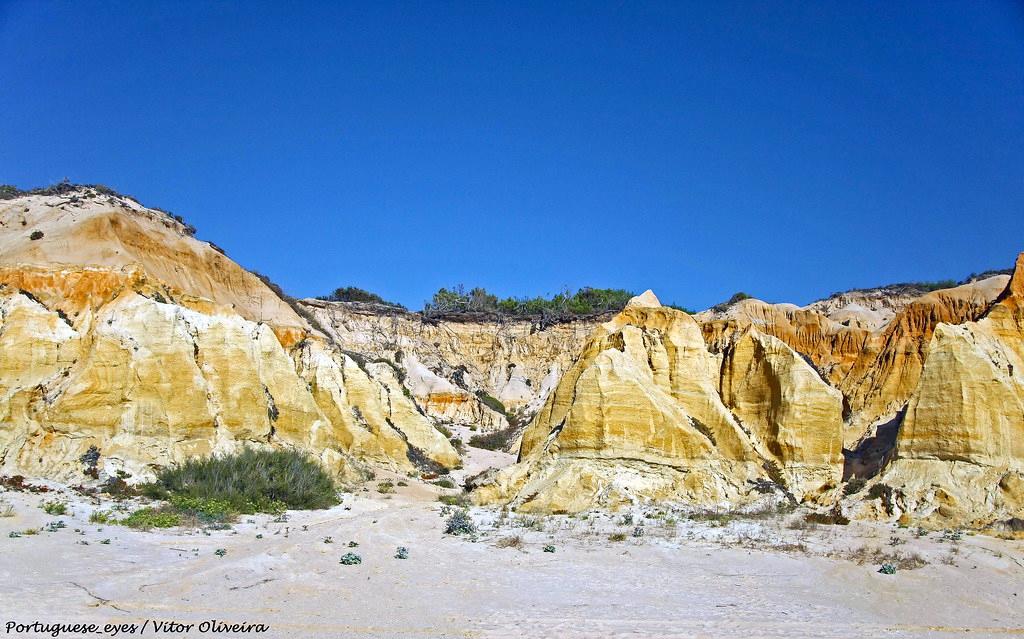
[738, 577]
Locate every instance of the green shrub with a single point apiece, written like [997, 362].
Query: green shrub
[401, 552]
[617, 537]
[736, 297]
[101, 517]
[249, 482]
[566, 304]
[146, 518]
[454, 500]
[214, 510]
[549, 548]
[351, 559]
[498, 440]
[36, 235]
[445, 483]
[153, 490]
[55, 508]
[356, 294]
[491, 402]
[854, 486]
[832, 518]
[459, 523]
[880, 491]
[89, 460]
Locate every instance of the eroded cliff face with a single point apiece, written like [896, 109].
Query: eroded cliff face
[648, 413]
[120, 330]
[960, 448]
[640, 417]
[453, 368]
[875, 364]
[86, 227]
[151, 373]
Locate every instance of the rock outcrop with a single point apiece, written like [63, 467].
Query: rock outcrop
[960, 448]
[640, 416]
[875, 364]
[100, 350]
[120, 330]
[89, 227]
[470, 371]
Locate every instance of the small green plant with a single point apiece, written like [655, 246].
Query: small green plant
[220, 552]
[459, 523]
[887, 569]
[638, 531]
[952, 535]
[30, 531]
[497, 440]
[105, 542]
[401, 553]
[55, 508]
[350, 559]
[101, 517]
[549, 548]
[54, 526]
[328, 540]
[403, 483]
[14, 535]
[880, 491]
[834, 517]
[619, 536]
[460, 500]
[491, 402]
[854, 486]
[36, 235]
[259, 536]
[6, 510]
[353, 544]
[444, 483]
[90, 459]
[385, 487]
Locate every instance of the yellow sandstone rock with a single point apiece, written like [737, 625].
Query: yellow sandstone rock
[639, 416]
[107, 354]
[960, 449]
[786, 406]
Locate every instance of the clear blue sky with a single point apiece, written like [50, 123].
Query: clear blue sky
[785, 149]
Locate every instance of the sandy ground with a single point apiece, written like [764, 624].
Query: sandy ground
[680, 578]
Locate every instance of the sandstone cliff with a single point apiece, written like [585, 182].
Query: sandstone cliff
[960, 448]
[90, 227]
[98, 348]
[876, 365]
[455, 369]
[640, 417]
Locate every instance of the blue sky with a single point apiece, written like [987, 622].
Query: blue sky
[784, 149]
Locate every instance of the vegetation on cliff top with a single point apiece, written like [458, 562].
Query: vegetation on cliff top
[356, 294]
[585, 301]
[919, 288]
